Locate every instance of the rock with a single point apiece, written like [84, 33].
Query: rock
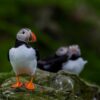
[49, 86]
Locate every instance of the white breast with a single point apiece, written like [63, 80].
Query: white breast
[74, 66]
[23, 60]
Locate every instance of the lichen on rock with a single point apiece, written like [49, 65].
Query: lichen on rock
[49, 86]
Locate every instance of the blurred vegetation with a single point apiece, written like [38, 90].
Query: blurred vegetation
[56, 23]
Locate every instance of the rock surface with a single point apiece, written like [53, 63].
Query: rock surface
[49, 86]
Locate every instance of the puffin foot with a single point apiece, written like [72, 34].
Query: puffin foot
[17, 85]
[30, 86]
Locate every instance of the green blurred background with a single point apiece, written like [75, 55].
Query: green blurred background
[56, 23]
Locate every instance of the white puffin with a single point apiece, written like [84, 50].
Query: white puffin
[23, 57]
[76, 63]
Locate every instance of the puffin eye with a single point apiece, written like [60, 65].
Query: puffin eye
[23, 32]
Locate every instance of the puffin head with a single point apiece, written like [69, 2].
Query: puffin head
[26, 35]
[74, 51]
[62, 51]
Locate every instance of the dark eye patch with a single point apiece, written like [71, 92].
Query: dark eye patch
[23, 32]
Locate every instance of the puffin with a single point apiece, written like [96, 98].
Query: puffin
[67, 58]
[76, 63]
[23, 57]
[54, 63]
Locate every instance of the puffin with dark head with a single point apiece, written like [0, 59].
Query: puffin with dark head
[23, 57]
[54, 63]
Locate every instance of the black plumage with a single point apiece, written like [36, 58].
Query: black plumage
[8, 56]
[19, 43]
[53, 63]
[74, 57]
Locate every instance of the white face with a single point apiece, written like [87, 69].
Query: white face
[74, 50]
[24, 34]
[62, 51]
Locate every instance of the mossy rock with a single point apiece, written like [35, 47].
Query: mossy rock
[49, 86]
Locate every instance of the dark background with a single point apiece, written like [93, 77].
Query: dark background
[56, 23]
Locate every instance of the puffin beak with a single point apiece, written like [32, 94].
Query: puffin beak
[33, 36]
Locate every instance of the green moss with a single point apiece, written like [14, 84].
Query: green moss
[60, 86]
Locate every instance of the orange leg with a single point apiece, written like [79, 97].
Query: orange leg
[17, 84]
[30, 85]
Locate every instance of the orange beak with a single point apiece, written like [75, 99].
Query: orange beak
[34, 37]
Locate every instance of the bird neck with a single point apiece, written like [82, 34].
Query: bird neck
[74, 57]
[19, 43]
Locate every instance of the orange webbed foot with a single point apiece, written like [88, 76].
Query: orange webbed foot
[30, 86]
[17, 85]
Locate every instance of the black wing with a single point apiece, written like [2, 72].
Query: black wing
[37, 54]
[58, 59]
[8, 56]
[55, 63]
